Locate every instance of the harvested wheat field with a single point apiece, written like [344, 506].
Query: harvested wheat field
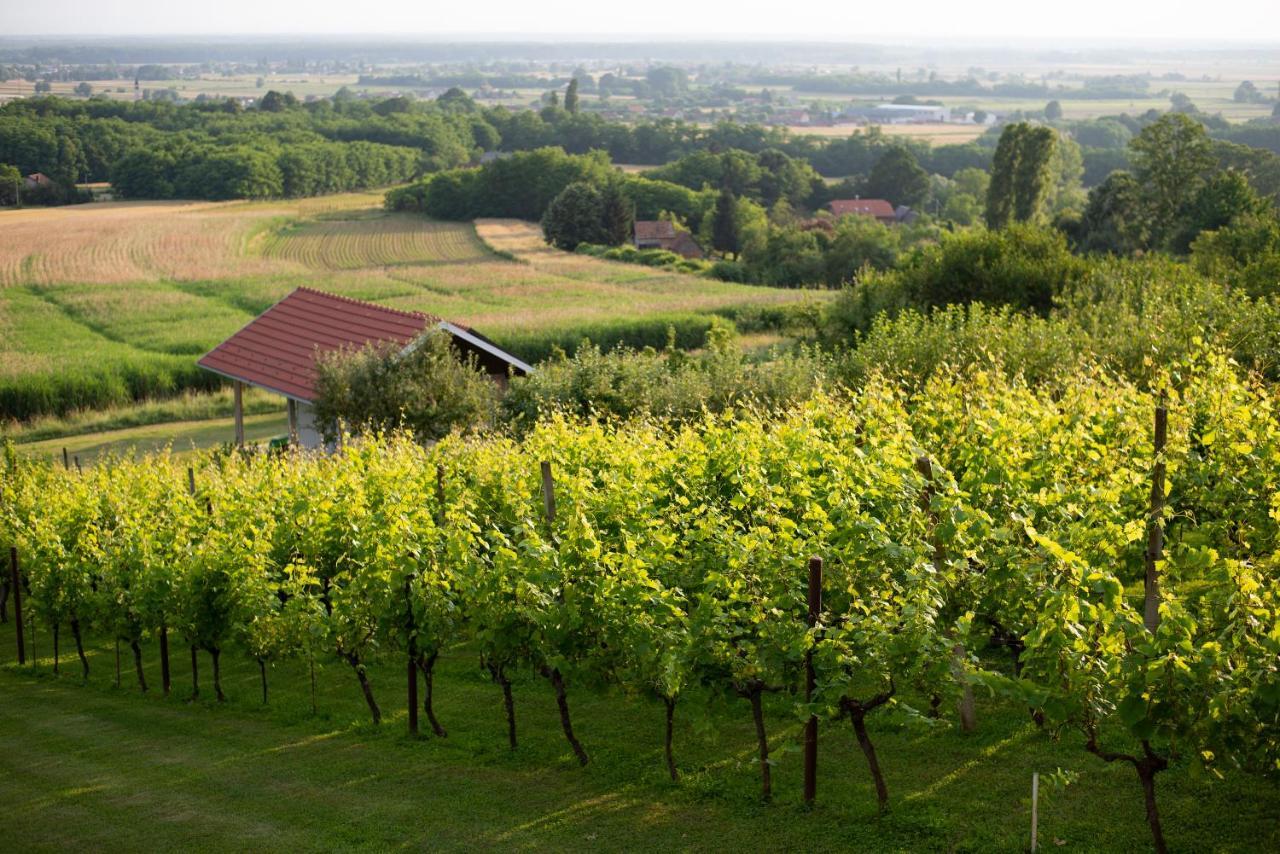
[107, 302]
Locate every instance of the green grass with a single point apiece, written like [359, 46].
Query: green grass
[187, 407]
[182, 436]
[49, 362]
[152, 316]
[104, 305]
[100, 768]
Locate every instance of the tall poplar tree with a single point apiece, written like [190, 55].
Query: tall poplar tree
[619, 215]
[571, 96]
[1021, 174]
[724, 228]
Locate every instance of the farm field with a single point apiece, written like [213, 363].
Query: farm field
[937, 134]
[110, 301]
[110, 769]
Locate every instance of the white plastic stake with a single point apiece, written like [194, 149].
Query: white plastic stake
[1035, 799]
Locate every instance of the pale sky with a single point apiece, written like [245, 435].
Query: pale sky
[1252, 21]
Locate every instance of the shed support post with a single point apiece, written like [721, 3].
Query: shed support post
[239, 412]
[293, 421]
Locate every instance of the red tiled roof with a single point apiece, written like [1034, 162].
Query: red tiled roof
[655, 229]
[878, 208]
[277, 349]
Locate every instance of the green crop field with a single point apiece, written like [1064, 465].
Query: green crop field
[384, 240]
[108, 302]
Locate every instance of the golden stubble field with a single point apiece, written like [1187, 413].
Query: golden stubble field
[253, 252]
[136, 291]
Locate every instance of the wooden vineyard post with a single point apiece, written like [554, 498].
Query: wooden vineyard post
[413, 695]
[548, 495]
[195, 662]
[439, 494]
[1035, 810]
[1155, 524]
[810, 680]
[17, 603]
[411, 659]
[66, 459]
[293, 422]
[239, 412]
[164, 659]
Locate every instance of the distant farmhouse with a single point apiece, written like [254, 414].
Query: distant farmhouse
[661, 234]
[905, 113]
[277, 350]
[37, 181]
[877, 208]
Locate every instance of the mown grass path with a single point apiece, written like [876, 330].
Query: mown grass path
[100, 768]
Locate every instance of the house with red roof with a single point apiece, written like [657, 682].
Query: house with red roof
[663, 234]
[277, 350]
[878, 208]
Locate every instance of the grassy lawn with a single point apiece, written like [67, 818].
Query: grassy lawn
[98, 767]
[183, 436]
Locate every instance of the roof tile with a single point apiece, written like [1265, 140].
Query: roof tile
[277, 349]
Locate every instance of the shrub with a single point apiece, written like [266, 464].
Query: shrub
[429, 389]
[915, 345]
[575, 216]
[730, 271]
[670, 384]
[1021, 266]
[657, 258]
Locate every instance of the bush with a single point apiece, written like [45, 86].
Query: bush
[657, 258]
[793, 318]
[575, 216]
[1021, 266]
[1244, 255]
[670, 384]
[629, 254]
[730, 271]
[636, 333]
[429, 390]
[915, 345]
[1140, 315]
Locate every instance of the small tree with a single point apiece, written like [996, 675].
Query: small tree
[619, 215]
[84, 89]
[1114, 219]
[1053, 111]
[1220, 201]
[1171, 157]
[576, 216]
[10, 184]
[899, 178]
[429, 389]
[724, 226]
[1247, 93]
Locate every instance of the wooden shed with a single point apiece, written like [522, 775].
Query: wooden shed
[277, 350]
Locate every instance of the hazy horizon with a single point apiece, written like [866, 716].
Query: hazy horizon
[990, 23]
